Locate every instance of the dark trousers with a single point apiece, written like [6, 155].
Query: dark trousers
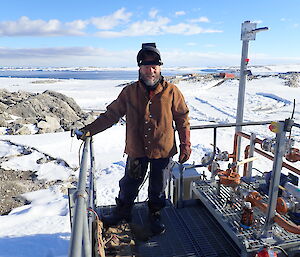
[135, 172]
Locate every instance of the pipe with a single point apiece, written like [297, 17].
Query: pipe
[255, 199]
[284, 164]
[246, 153]
[258, 141]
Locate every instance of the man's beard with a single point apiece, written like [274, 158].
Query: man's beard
[150, 82]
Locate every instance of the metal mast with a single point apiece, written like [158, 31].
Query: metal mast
[248, 33]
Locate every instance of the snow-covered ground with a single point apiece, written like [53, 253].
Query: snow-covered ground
[256, 68]
[42, 228]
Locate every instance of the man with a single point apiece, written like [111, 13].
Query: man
[150, 105]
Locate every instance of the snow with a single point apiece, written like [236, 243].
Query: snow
[42, 228]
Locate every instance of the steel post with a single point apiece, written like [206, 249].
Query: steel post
[91, 215]
[251, 152]
[248, 32]
[241, 94]
[80, 207]
[86, 237]
[275, 178]
[181, 189]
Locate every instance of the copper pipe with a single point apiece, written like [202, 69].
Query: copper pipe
[255, 199]
[284, 164]
[246, 154]
[259, 141]
[288, 226]
[244, 135]
[234, 147]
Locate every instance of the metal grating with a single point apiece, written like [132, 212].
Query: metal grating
[229, 217]
[190, 232]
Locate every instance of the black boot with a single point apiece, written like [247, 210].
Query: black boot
[122, 212]
[157, 227]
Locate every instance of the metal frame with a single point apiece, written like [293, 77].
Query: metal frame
[283, 126]
[251, 152]
[210, 196]
[249, 241]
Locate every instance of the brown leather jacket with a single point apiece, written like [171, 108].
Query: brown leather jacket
[149, 120]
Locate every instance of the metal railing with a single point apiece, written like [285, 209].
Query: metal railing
[81, 234]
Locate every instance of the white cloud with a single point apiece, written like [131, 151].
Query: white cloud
[195, 58]
[109, 22]
[180, 13]
[157, 27]
[27, 27]
[91, 56]
[66, 56]
[111, 26]
[139, 28]
[153, 13]
[24, 26]
[200, 19]
[188, 29]
[109, 34]
[77, 24]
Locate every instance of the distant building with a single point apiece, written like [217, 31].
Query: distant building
[225, 75]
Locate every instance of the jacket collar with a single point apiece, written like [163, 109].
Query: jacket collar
[160, 86]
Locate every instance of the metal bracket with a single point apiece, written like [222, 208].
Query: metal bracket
[249, 30]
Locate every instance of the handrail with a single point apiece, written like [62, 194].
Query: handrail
[270, 157]
[227, 125]
[80, 243]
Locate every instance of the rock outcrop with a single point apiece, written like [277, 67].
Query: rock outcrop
[30, 113]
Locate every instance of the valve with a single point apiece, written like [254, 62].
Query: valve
[293, 155]
[229, 178]
[269, 145]
[222, 156]
[205, 159]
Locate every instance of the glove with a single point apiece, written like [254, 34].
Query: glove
[185, 152]
[185, 145]
[83, 134]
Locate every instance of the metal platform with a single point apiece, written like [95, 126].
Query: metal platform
[228, 214]
[191, 231]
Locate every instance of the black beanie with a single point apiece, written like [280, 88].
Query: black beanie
[148, 49]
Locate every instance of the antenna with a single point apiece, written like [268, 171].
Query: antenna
[294, 106]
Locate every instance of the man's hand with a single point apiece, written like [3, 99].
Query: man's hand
[185, 152]
[185, 144]
[82, 134]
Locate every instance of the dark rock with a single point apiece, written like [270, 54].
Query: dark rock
[49, 111]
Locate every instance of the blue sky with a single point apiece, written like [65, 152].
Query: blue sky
[37, 33]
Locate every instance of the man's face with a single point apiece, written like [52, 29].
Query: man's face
[150, 74]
